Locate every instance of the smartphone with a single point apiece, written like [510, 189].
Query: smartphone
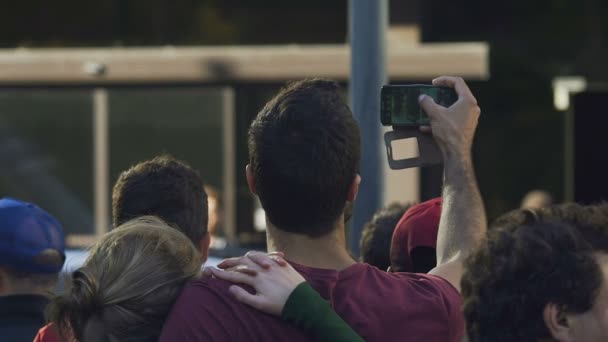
[399, 103]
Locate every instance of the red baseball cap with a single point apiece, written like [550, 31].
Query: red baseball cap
[417, 228]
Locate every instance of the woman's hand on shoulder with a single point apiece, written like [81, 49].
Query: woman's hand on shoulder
[269, 274]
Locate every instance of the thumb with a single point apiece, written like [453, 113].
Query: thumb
[207, 273]
[429, 106]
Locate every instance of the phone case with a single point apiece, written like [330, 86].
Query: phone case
[428, 151]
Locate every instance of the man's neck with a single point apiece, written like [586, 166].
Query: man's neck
[328, 251]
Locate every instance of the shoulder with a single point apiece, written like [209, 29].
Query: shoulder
[432, 281]
[415, 287]
[204, 311]
[433, 286]
[411, 286]
[209, 295]
[417, 279]
[47, 334]
[430, 296]
[207, 311]
[440, 294]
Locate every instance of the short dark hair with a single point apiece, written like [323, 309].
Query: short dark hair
[377, 234]
[573, 213]
[164, 187]
[532, 258]
[304, 153]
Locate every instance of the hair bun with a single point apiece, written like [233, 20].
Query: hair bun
[72, 311]
[85, 292]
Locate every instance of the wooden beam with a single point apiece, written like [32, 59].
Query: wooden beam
[230, 64]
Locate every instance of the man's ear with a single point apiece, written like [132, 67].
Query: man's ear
[354, 189]
[203, 247]
[557, 323]
[250, 179]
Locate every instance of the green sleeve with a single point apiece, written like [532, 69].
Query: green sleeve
[308, 311]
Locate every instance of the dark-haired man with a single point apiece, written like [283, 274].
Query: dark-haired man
[304, 164]
[32, 252]
[168, 189]
[163, 187]
[542, 275]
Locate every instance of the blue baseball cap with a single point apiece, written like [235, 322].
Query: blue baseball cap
[25, 232]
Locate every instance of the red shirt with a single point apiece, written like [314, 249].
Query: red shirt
[47, 334]
[379, 306]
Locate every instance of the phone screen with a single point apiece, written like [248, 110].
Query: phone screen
[399, 103]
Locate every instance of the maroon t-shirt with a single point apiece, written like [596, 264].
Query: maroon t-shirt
[379, 306]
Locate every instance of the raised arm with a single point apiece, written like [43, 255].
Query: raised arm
[463, 220]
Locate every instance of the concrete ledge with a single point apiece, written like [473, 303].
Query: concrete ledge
[231, 63]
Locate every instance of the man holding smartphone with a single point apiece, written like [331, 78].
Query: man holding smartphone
[304, 162]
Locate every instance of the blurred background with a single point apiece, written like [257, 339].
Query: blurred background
[88, 88]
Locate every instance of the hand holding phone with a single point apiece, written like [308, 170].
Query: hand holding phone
[400, 107]
[454, 127]
[399, 103]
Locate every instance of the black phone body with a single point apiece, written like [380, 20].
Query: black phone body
[399, 103]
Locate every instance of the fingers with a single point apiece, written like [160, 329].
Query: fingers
[245, 297]
[263, 260]
[207, 272]
[429, 106]
[279, 261]
[230, 262]
[457, 83]
[243, 269]
[278, 258]
[233, 277]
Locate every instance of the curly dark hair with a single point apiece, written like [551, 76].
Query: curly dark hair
[532, 258]
[377, 234]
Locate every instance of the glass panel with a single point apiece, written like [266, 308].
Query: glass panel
[45, 152]
[183, 122]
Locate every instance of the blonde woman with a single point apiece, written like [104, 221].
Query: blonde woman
[125, 289]
[127, 285]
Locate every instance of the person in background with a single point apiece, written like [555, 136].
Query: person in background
[163, 187]
[413, 245]
[541, 275]
[537, 199]
[127, 285]
[214, 201]
[32, 253]
[166, 188]
[304, 162]
[376, 236]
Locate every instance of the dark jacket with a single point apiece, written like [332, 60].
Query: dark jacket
[21, 316]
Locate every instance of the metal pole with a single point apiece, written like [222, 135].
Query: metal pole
[101, 151]
[368, 22]
[229, 172]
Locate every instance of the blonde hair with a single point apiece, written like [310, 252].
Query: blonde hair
[127, 285]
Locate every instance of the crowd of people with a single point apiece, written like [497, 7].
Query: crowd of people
[429, 272]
